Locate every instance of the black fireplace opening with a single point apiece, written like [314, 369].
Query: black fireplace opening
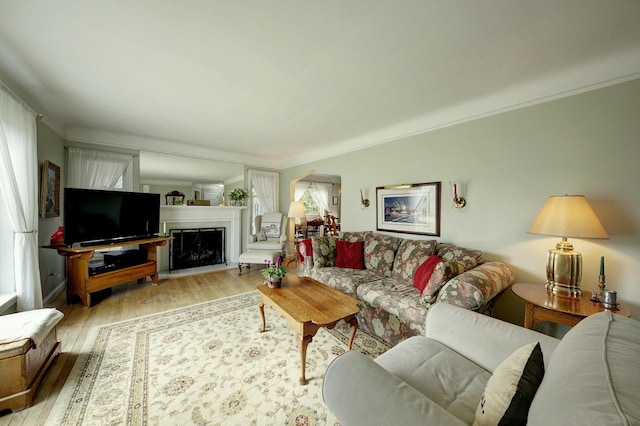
[191, 248]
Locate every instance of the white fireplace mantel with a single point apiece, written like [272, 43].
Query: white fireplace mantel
[190, 216]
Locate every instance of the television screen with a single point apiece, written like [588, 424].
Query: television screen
[93, 216]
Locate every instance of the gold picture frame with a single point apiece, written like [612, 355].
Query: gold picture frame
[50, 190]
[411, 209]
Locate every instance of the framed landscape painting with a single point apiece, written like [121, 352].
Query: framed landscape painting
[411, 209]
[50, 190]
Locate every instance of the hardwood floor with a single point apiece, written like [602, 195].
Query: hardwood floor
[120, 303]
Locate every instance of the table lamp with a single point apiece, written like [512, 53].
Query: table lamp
[566, 216]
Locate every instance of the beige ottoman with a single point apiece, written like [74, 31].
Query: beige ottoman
[257, 256]
[28, 345]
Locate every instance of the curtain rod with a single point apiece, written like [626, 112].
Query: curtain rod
[17, 98]
[66, 148]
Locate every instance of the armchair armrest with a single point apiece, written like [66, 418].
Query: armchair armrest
[484, 340]
[360, 392]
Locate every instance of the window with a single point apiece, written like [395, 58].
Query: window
[99, 169]
[310, 205]
[256, 210]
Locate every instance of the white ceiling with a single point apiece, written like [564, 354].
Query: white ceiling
[283, 82]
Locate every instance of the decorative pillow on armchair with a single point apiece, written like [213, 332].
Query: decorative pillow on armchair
[511, 388]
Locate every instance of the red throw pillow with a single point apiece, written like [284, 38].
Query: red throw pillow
[307, 246]
[350, 255]
[424, 271]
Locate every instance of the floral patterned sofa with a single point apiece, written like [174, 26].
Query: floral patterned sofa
[391, 306]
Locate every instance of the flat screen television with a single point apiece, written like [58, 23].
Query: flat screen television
[93, 216]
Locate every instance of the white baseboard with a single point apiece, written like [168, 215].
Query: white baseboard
[56, 291]
[8, 303]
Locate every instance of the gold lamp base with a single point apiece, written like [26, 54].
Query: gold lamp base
[564, 270]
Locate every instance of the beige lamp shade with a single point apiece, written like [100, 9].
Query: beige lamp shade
[296, 210]
[566, 216]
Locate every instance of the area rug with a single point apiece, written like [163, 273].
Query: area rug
[204, 364]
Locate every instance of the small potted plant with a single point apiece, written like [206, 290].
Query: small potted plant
[273, 273]
[238, 196]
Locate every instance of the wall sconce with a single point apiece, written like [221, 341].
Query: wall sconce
[364, 202]
[458, 200]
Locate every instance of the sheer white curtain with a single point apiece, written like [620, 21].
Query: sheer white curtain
[301, 187]
[98, 169]
[321, 194]
[19, 190]
[266, 185]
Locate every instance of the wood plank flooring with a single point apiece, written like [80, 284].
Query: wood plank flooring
[120, 303]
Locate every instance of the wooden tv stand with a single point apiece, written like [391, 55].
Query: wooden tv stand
[81, 284]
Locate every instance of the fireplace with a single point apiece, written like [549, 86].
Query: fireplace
[191, 248]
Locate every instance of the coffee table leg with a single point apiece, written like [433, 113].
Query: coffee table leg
[354, 327]
[261, 308]
[303, 343]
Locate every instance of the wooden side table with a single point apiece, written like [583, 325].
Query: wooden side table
[542, 305]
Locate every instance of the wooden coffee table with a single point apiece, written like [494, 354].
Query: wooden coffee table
[308, 305]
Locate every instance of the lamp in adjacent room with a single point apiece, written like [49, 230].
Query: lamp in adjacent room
[297, 213]
[566, 216]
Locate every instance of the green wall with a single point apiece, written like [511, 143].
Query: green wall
[52, 265]
[508, 165]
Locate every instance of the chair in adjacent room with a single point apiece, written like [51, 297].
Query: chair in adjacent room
[268, 241]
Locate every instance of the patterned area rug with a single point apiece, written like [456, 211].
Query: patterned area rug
[205, 364]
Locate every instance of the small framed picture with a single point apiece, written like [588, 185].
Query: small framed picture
[335, 200]
[412, 209]
[50, 190]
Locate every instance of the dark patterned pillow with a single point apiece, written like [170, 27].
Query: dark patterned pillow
[324, 251]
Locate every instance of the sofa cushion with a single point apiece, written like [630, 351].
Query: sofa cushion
[344, 279]
[442, 273]
[353, 237]
[592, 377]
[448, 379]
[398, 297]
[380, 252]
[349, 255]
[477, 286]
[510, 390]
[450, 253]
[265, 245]
[424, 272]
[324, 251]
[410, 255]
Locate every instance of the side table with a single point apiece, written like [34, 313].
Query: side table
[542, 305]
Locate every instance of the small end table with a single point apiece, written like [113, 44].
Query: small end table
[542, 305]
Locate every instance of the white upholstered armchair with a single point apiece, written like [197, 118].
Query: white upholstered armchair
[270, 232]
